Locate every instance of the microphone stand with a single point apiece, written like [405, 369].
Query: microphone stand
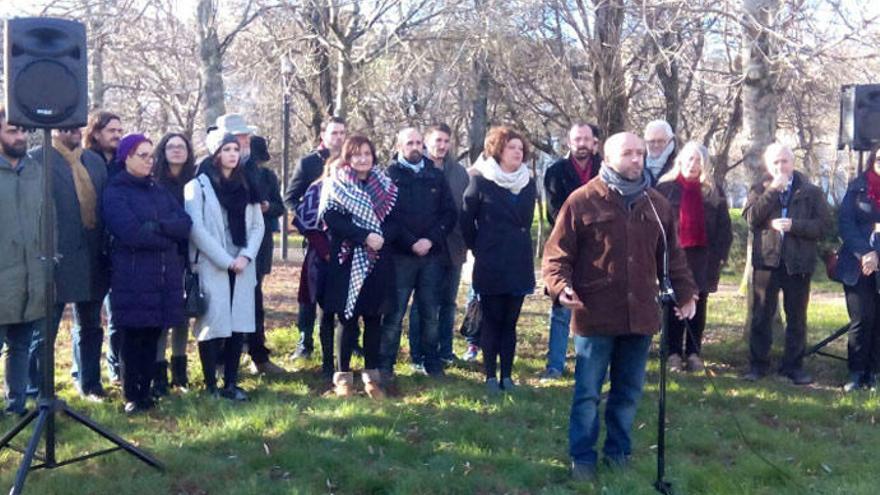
[667, 302]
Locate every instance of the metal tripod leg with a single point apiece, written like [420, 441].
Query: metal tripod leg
[122, 443]
[27, 460]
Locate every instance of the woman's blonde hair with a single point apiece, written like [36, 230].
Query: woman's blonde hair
[706, 178]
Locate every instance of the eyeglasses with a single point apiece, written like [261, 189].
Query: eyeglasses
[658, 142]
[175, 147]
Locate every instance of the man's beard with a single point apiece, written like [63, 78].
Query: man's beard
[582, 153]
[14, 150]
[414, 157]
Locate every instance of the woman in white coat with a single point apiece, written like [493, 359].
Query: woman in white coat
[226, 236]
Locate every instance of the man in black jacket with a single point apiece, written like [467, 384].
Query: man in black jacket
[309, 169]
[560, 180]
[787, 216]
[425, 213]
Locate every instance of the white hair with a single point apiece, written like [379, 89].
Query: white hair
[659, 124]
[775, 148]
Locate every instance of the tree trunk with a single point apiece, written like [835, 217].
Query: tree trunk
[759, 100]
[479, 108]
[211, 58]
[344, 71]
[609, 84]
[759, 83]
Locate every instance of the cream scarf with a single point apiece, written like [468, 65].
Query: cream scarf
[512, 181]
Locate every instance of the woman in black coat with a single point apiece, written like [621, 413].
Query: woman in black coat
[496, 221]
[174, 167]
[704, 231]
[859, 219]
[147, 225]
[356, 200]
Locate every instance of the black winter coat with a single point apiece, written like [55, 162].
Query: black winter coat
[271, 188]
[705, 261]
[856, 219]
[561, 179]
[424, 209]
[147, 224]
[377, 293]
[308, 170]
[497, 226]
[810, 217]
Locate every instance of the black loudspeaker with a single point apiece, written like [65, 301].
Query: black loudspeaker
[46, 73]
[859, 117]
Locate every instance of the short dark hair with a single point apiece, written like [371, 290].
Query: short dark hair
[498, 137]
[583, 123]
[333, 119]
[440, 127]
[98, 120]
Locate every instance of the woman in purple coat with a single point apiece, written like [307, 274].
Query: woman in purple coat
[146, 224]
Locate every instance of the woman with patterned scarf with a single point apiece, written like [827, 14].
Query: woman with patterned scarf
[356, 201]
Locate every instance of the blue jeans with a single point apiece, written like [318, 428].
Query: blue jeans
[560, 318]
[114, 347]
[627, 356]
[17, 337]
[86, 336]
[421, 275]
[446, 298]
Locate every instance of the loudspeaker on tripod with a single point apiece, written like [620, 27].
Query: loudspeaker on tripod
[46, 83]
[859, 117]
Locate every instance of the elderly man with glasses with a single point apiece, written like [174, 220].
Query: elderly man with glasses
[660, 143]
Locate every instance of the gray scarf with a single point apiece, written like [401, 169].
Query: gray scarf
[655, 165]
[629, 189]
[415, 167]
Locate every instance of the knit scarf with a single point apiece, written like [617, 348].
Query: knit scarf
[691, 215]
[874, 187]
[368, 202]
[629, 189]
[655, 165]
[415, 167]
[512, 181]
[234, 198]
[85, 189]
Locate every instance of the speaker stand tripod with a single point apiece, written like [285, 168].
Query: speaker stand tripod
[43, 416]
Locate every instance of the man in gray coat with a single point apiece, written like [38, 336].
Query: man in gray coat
[22, 274]
[81, 273]
[437, 139]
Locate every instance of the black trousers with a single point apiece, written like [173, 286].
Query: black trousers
[347, 332]
[795, 298]
[498, 340]
[138, 362]
[257, 341]
[862, 302]
[678, 334]
[226, 351]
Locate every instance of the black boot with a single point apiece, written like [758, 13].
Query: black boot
[160, 379]
[178, 373]
[208, 356]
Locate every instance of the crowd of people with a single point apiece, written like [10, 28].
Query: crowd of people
[136, 220]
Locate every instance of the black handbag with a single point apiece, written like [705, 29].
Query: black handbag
[470, 326]
[195, 304]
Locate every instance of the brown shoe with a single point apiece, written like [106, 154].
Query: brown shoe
[268, 368]
[372, 384]
[343, 382]
[694, 363]
[674, 363]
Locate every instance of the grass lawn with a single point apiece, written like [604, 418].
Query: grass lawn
[449, 437]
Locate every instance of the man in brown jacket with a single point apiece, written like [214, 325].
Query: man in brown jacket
[602, 260]
[787, 216]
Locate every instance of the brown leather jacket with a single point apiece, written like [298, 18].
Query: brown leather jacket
[612, 258]
[810, 219]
